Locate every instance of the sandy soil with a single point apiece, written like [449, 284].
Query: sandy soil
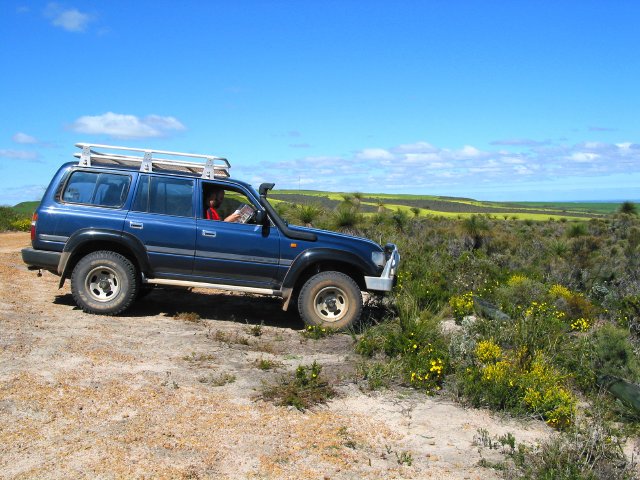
[137, 396]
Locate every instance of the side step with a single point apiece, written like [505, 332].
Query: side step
[232, 288]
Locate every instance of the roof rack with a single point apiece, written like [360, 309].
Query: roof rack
[211, 167]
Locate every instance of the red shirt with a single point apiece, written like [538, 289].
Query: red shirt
[212, 214]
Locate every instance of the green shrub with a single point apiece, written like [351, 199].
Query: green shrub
[507, 380]
[461, 306]
[588, 451]
[415, 341]
[539, 328]
[518, 292]
[575, 305]
[22, 225]
[7, 216]
[380, 373]
[614, 354]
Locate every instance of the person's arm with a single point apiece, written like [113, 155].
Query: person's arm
[234, 217]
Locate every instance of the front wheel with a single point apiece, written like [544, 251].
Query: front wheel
[104, 282]
[330, 300]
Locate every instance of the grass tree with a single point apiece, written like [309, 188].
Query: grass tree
[400, 219]
[357, 199]
[476, 228]
[347, 199]
[346, 218]
[308, 214]
[629, 208]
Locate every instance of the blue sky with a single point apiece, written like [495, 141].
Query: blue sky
[495, 100]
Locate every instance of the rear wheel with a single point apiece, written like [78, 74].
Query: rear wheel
[104, 282]
[330, 300]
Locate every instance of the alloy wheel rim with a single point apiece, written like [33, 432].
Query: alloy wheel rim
[331, 304]
[103, 284]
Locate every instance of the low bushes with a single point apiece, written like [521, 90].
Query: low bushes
[414, 342]
[12, 220]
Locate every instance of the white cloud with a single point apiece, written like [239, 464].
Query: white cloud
[418, 147]
[512, 160]
[469, 151]
[423, 167]
[71, 19]
[584, 157]
[18, 154]
[520, 142]
[123, 126]
[23, 138]
[521, 170]
[374, 154]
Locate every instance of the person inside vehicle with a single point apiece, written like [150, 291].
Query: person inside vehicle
[214, 200]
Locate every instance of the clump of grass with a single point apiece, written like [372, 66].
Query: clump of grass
[379, 374]
[187, 317]
[403, 458]
[306, 388]
[218, 380]
[317, 332]
[255, 330]
[266, 364]
[229, 338]
[347, 441]
[199, 357]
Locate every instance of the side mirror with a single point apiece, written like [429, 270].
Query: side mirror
[260, 217]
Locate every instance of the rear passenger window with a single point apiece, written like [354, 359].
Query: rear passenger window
[168, 196]
[94, 188]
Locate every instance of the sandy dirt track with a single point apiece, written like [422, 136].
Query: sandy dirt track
[136, 396]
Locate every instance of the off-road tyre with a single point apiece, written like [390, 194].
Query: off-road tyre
[330, 300]
[104, 282]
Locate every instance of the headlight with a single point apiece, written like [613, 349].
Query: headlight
[378, 258]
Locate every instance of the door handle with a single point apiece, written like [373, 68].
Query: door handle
[208, 233]
[137, 225]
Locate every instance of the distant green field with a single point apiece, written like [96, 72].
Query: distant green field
[454, 207]
[588, 207]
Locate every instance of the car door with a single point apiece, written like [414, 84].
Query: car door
[235, 253]
[162, 217]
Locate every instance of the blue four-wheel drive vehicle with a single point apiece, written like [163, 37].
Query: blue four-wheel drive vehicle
[122, 220]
